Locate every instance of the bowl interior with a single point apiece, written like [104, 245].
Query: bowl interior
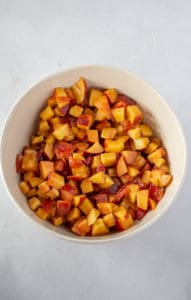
[21, 121]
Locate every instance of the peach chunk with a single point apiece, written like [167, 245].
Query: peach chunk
[94, 96]
[121, 167]
[104, 108]
[81, 227]
[79, 90]
[134, 114]
[55, 180]
[99, 228]
[84, 122]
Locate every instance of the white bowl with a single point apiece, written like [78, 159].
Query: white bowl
[20, 125]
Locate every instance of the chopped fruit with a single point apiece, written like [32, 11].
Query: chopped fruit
[86, 186]
[104, 207]
[104, 108]
[81, 226]
[49, 151]
[142, 199]
[108, 182]
[41, 213]
[92, 136]
[93, 215]
[134, 133]
[152, 204]
[121, 167]
[57, 221]
[74, 214]
[29, 161]
[109, 220]
[59, 92]
[160, 152]
[111, 95]
[94, 96]
[141, 143]
[24, 186]
[34, 181]
[46, 167]
[92, 142]
[118, 114]
[132, 190]
[76, 111]
[113, 146]
[146, 130]
[96, 148]
[98, 178]
[47, 113]
[61, 131]
[99, 228]
[86, 206]
[79, 90]
[129, 156]
[132, 171]
[108, 159]
[134, 114]
[34, 203]
[108, 133]
[84, 122]
[56, 181]
[63, 207]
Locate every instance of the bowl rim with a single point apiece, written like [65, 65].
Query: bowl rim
[107, 238]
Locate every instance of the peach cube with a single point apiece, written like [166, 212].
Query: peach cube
[92, 135]
[108, 159]
[84, 122]
[46, 167]
[92, 216]
[61, 131]
[76, 111]
[34, 203]
[86, 206]
[111, 94]
[56, 181]
[113, 146]
[134, 114]
[94, 96]
[86, 186]
[142, 199]
[118, 114]
[99, 228]
[47, 113]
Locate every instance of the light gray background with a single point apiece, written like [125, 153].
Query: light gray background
[151, 39]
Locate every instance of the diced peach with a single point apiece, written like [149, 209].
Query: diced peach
[146, 130]
[92, 135]
[103, 106]
[134, 114]
[165, 180]
[63, 149]
[129, 156]
[59, 165]
[37, 139]
[142, 199]
[96, 161]
[158, 161]
[121, 167]
[111, 94]
[109, 220]
[43, 128]
[152, 204]
[53, 193]
[59, 92]
[64, 102]
[84, 122]
[43, 187]
[152, 146]
[86, 206]
[86, 186]
[124, 223]
[102, 124]
[81, 172]
[146, 177]
[57, 221]
[78, 199]
[63, 207]
[108, 133]
[58, 113]
[31, 193]
[96, 148]
[80, 134]
[134, 133]
[81, 226]
[120, 130]
[66, 195]
[160, 152]
[92, 216]
[34, 203]
[108, 182]
[99, 116]
[56, 181]
[104, 207]
[49, 151]
[94, 96]
[24, 187]
[99, 228]
[132, 171]
[79, 90]
[47, 113]
[120, 212]
[118, 114]
[132, 190]
[46, 167]
[89, 111]
[29, 161]
[34, 181]
[61, 131]
[76, 111]
[51, 102]
[98, 178]
[139, 161]
[74, 214]
[50, 139]
[141, 143]
[113, 146]
[155, 177]
[42, 214]
[108, 159]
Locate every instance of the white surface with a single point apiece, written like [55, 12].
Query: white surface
[152, 40]
[157, 114]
